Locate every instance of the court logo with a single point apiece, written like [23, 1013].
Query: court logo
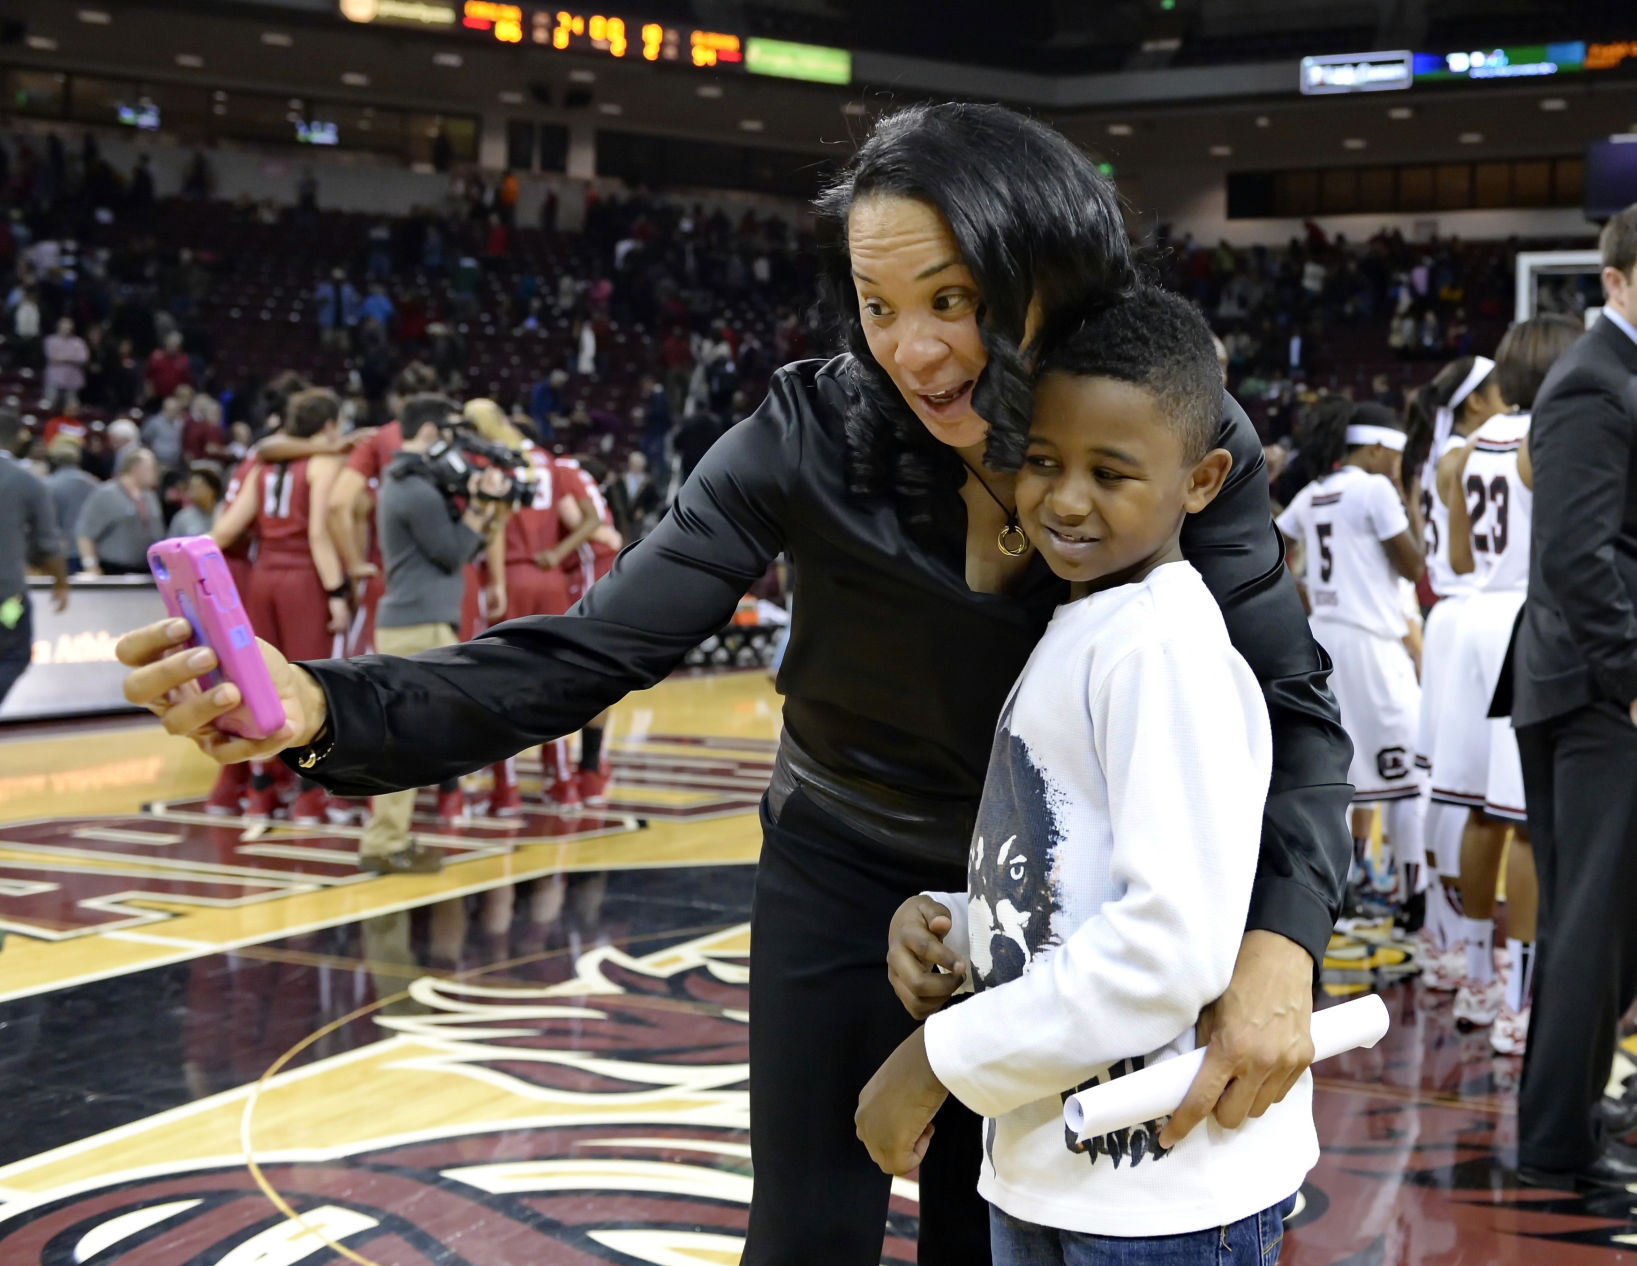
[600, 1120]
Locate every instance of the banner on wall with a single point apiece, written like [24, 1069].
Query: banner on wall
[72, 671]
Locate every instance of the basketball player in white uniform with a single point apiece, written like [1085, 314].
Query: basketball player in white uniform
[1448, 409]
[1475, 762]
[1358, 540]
[1487, 489]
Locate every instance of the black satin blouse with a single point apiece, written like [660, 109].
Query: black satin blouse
[895, 673]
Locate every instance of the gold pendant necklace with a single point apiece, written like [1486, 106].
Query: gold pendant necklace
[1011, 541]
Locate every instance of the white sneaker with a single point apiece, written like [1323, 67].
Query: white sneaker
[1477, 1006]
[1511, 1031]
[1440, 969]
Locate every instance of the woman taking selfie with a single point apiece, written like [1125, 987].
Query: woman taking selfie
[886, 476]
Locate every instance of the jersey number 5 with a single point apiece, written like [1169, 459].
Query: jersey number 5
[1480, 498]
[1327, 560]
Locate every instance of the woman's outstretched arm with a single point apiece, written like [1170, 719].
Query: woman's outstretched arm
[382, 723]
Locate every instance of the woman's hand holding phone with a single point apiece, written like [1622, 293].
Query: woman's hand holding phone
[164, 678]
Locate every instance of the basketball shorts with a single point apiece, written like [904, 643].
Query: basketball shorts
[593, 566]
[1375, 685]
[1437, 648]
[1464, 756]
[532, 590]
[289, 608]
[471, 603]
[360, 638]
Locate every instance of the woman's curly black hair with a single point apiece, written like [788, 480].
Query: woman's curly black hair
[1034, 220]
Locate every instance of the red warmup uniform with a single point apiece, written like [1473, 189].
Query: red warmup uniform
[531, 589]
[591, 562]
[369, 459]
[239, 554]
[234, 780]
[287, 603]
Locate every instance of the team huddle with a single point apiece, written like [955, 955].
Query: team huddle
[1445, 491]
[316, 563]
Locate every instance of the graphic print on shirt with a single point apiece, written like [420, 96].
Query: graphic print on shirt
[1135, 1142]
[1011, 895]
[1015, 910]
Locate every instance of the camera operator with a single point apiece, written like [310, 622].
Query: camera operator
[427, 539]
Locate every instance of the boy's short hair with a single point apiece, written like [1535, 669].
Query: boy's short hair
[1154, 340]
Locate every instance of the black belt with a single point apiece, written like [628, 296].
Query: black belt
[932, 830]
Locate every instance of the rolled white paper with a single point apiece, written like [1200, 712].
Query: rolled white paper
[1159, 1091]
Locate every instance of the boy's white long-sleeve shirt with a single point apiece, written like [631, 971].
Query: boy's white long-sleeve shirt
[1108, 884]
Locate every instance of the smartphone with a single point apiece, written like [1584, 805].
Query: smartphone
[196, 586]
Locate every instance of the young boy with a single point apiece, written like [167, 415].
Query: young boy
[1110, 870]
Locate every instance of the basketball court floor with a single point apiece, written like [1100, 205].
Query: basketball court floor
[223, 1045]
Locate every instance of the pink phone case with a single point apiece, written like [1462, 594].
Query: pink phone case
[196, 586]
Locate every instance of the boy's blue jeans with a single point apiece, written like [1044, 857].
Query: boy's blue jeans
[1252, 1241]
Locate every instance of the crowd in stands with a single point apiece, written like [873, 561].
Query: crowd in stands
[1324, 315]
[161, 323]
[650, 330]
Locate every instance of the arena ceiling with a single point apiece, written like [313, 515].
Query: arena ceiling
[1238, 115]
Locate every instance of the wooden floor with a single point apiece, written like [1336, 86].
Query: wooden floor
[229, 1047]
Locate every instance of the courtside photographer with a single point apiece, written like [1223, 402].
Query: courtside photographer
[435, 513]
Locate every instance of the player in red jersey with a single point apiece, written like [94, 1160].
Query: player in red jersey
[298, 597]
[524, 577]
[581, 502]
[233, 783]
[350, 518]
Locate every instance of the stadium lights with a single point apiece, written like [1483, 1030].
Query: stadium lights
[752, 125]
[1262, 120]
[96, 17]
[191, 60]
[1354, 142]
[355, 79]
[276, 39]
[1401, 113]
[1119, 129]
[42, 43]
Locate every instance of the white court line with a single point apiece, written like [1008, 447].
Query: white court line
[115, 835]
[353, 916]
[169, 942]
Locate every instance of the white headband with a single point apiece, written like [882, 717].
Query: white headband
[1444, 420]
[1382, 435]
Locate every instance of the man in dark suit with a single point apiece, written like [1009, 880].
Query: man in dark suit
[1575, 708]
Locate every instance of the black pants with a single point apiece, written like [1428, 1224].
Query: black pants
[16, 645]
[1580, 780]
[823, 1017]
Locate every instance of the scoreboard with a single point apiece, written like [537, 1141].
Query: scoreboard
[623, 37]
